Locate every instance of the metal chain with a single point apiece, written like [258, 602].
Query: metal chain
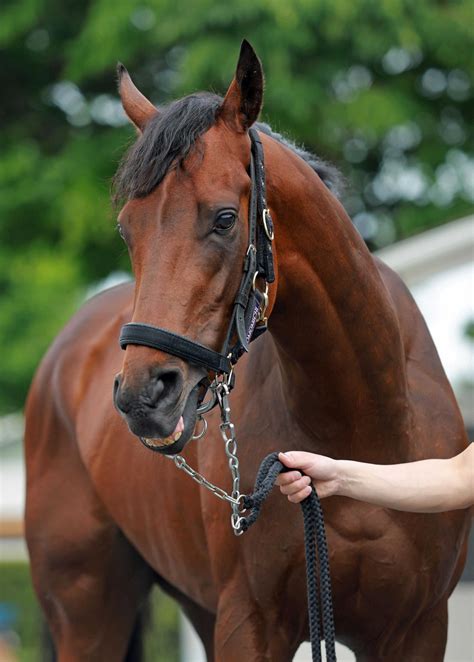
[228, 435]
[221, 391]
[181, 463]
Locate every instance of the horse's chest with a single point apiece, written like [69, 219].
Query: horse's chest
[377, 560]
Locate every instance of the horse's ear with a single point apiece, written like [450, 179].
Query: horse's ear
[243, 101]
[137, 107]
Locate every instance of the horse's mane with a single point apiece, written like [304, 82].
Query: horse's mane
[169, 137]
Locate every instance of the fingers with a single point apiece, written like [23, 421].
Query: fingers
[288, 477]
[319, 469]
[293, 487]
[300, 496]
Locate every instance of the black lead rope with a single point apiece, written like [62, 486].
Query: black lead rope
[319, 601]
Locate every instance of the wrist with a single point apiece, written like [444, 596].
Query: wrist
[344, 478]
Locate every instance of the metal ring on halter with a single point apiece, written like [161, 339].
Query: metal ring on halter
[264, 305]
[203, 431]
[254, 283]
[229, 378]
[268, 229]
[263, 310]
[208, 405]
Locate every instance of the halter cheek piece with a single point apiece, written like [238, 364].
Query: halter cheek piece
[248, 319]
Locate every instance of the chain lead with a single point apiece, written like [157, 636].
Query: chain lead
[220, 391]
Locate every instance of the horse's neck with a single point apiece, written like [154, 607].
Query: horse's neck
[334, 324]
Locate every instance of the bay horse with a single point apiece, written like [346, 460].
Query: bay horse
[347, 369]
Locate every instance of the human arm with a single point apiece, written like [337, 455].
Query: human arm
[423, 486]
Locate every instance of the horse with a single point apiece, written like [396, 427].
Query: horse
[347, 368]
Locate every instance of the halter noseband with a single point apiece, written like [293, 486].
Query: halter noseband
[248, 319]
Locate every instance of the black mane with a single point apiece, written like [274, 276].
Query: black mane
[169, 137]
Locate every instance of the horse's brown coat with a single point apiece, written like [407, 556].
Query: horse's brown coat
[348, 369]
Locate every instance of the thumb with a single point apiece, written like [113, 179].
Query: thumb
[289, 459]
[297, 459]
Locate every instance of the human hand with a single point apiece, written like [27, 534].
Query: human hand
[319, 469]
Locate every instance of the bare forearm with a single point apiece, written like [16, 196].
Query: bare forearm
[425, 486]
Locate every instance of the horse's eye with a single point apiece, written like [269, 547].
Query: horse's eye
[225, 221]
[120, 230]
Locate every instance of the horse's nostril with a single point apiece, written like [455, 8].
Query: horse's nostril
[165, 385]
[160, 391]
[117, 381]
[155, 390]
[121, 401]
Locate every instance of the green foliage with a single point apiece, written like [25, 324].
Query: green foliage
[162, 637]
[18, 598]
[380, 88]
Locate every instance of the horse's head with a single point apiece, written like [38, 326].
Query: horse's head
[186, 227]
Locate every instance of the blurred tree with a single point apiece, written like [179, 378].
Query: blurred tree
[380, 88]
[469, 330]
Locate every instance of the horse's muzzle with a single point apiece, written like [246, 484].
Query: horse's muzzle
[154, 412]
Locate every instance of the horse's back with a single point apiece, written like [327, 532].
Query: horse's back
[439, 425]
[89, 337]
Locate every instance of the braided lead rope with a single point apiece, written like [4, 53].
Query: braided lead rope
[316, 554]
[309, 521]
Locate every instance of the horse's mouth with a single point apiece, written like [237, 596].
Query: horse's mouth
[183, 431]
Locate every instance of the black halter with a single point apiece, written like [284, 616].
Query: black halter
[248, 319]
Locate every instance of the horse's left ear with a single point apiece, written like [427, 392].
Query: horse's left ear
[243, 101]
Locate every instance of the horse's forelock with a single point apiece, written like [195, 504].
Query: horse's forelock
[166, 140]
[169, 137]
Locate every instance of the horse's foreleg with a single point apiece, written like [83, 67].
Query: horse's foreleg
[89, 579]
[245, 632]
[423, 641]
[426, 640]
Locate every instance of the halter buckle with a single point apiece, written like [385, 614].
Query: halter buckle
[267, 224]
[264, 306]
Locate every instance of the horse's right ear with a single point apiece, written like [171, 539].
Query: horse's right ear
[243, 101]
[137, 107]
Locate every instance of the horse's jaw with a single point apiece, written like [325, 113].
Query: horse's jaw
[173, 437]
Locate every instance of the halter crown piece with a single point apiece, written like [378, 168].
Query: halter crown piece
[248, 319]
